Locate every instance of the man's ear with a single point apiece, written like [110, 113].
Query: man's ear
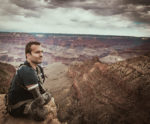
[28, 55]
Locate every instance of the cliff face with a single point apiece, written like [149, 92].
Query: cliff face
[6, 74]
[116, 93]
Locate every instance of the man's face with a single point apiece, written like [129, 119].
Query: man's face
[36, 55]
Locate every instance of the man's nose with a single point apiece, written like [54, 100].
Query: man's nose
[41, 54]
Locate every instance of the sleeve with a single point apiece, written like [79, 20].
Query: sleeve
[29, 78]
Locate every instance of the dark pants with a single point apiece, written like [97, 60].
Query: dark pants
[19, 112]
[37, 113]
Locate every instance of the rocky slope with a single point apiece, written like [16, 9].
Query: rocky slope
[92, 92]
[6, 74]
[110, 94]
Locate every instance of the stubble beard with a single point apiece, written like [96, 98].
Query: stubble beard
[37, 62]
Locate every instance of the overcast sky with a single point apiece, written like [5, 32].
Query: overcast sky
[108, 17]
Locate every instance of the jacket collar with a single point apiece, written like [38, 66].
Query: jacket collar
[27, 63]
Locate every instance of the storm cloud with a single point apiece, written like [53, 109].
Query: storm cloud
[92, 16]
[137, 2]
[136, 10]
[29, 4]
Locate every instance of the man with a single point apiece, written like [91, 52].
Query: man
[26, 96]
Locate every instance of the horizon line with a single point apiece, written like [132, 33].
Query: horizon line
[74, 34]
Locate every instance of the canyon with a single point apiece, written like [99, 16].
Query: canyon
[93, 78]
[67, 48]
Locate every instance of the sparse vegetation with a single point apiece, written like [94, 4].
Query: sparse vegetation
[112, 94]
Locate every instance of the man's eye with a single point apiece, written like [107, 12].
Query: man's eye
[39, 52]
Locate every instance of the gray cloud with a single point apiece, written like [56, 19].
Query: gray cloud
[98, 7]
[7, 9]
[85, 4]
[138, 13]
[29, 4]
[26, 8]
[137, 2]
[135, 10]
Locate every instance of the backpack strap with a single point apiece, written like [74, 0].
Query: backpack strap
[42, 71]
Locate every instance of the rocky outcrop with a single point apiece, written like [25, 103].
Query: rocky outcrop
[5, 118]
[116, 93]
[58, 83]
[6, 74]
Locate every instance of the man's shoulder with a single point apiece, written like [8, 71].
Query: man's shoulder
[25, 69]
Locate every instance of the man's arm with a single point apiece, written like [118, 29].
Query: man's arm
[30, 81]
[40, 99]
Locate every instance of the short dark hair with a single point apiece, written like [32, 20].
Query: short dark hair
[28, 46]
